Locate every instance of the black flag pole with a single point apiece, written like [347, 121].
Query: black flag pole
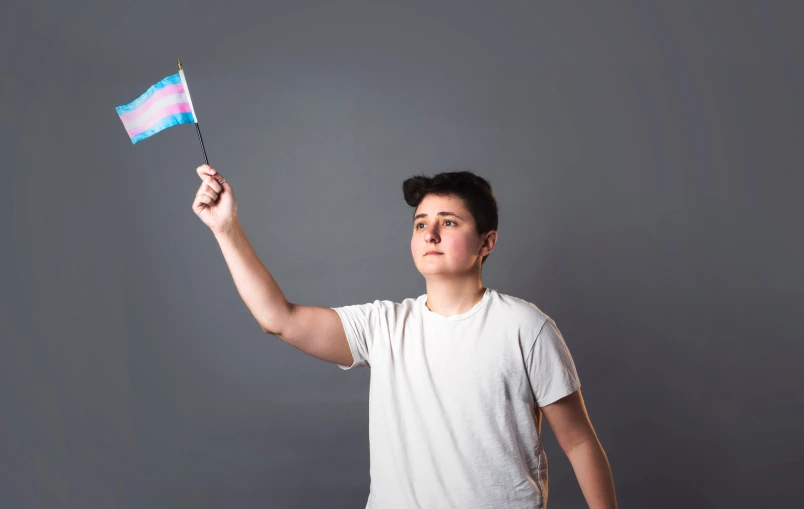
[197, 129]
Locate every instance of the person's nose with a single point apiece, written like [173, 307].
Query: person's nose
[431, 235]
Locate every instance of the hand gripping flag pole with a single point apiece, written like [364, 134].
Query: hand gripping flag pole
[164, 105]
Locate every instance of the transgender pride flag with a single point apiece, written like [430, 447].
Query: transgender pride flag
[163, 105]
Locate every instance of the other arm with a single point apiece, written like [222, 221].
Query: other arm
[570, 423]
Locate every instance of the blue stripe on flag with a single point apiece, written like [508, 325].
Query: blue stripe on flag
[178, 118]
[173, 79]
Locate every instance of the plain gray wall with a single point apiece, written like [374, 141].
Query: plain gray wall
[647, 160]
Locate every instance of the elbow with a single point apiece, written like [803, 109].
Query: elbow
[276, 324]
[274, 331]
[267, 330]
[582, 442]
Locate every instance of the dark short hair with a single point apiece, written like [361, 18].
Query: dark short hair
[474, 191]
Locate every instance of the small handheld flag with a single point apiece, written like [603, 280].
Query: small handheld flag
[164, 105]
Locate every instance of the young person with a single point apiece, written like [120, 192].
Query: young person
[461, 376]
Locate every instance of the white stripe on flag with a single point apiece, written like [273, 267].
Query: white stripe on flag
[151, 115]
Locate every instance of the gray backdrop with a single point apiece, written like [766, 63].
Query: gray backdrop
[647, 160]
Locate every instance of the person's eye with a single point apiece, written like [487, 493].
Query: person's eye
[417, 226]
[449, 221]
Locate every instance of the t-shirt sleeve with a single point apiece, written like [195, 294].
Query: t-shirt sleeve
[361, 323]
[550, 367]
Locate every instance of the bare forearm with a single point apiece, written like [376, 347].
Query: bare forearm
[256, 286]
[594, 475]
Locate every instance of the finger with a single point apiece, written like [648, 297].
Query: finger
[208, 188]
[205, 169]
[203, 198]
[220, 179]
[214, 184]
[206, 191]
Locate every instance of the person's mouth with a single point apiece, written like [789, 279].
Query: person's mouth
[433, 253]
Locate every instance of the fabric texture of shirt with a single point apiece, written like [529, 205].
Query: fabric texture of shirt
[454, 419]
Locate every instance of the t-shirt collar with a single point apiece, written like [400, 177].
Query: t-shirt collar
[452, 318]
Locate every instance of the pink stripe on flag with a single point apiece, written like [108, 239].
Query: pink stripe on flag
[178, 88]
[164, 112]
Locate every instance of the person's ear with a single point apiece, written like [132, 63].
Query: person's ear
[489, 242]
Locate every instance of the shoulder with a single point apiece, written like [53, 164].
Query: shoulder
[384, 308]
[524, 314]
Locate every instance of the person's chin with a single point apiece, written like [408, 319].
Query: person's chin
[433, 271]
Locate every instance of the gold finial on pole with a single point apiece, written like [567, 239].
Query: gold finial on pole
[179, 64]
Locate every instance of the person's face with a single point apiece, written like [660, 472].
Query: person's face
[444, 240]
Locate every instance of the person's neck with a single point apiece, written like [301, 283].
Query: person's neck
[449, 297]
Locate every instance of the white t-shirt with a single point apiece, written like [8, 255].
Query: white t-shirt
[453, 401]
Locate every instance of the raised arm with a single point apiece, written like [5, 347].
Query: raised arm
[316, 331]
